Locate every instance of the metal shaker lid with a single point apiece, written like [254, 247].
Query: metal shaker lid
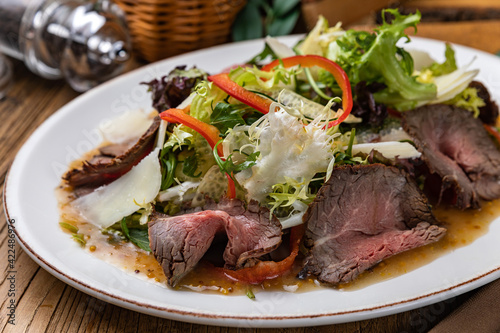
[98, 46]
[85, 42]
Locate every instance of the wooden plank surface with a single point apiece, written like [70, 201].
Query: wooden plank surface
[346, 12]
[45, 304]
[451, 4]
[482, 35]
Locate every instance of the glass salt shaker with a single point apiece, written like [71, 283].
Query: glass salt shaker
[5, 75]
[84, 42]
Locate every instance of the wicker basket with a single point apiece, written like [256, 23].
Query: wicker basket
[163, 28]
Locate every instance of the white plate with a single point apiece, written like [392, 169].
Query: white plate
[29, 199]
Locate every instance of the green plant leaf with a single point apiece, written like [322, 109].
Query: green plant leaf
[79, 238]
[248, 23]
[267, 52]
[448, 66]
[190, 166]
[351, 142]
[228, 166]
[406, 61]
[71, 228]
[169, 163]
[283, 7]
[250, 294]
[281, 26]
[225, 116]
[124, 227]
[140, 238]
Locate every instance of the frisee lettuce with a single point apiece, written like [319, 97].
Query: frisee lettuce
[289, 148]
[253, 78]
[469, 100]
[287, 193]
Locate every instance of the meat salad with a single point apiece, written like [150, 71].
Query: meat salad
[318, 161]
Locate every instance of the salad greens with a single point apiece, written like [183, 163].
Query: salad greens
[377, 58]
[448, 66]
[282, 157]
[469, 100]
[168, 92]
[279, 158]
[273, 157]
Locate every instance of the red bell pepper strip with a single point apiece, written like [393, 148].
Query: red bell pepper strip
[490, 129]
[209, 132]
[231, 188]
[224, 82]
[337, 72]
[394, 113]
[266, 270]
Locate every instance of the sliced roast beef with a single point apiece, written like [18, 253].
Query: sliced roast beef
[456, 147]
[116, 149]
[179, 242]
[489, 112]
[362, 215]
[113, 160]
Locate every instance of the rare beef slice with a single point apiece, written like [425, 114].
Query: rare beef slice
[179, 242]
[458, 150]
[362, 215]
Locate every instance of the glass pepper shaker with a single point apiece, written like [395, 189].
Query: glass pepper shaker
[5, 75]
[84, 42]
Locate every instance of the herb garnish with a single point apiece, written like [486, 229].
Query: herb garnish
[74, 233]
[228, 165]
[225, 116]
[190, 164]
[139, 237]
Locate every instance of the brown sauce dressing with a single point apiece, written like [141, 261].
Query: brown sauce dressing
[463, 228]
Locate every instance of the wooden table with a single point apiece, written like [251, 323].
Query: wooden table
[46, 304]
